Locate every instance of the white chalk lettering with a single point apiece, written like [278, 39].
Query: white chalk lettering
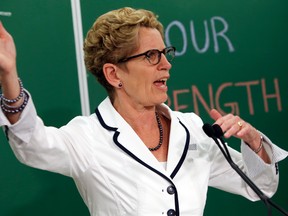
[3, 13]
[219, 29]
[183, 33]
[220, 34]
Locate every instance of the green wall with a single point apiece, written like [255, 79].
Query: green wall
[232, 55]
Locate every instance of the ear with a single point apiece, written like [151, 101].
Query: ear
[110, 73]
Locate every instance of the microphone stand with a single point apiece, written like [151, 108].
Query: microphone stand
[216, 133]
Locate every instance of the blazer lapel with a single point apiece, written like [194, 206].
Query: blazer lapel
[125, 137]
[127, 140]
[178, 144]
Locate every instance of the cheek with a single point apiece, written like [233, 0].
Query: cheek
[133, 86]
[139, 83]
[140, 88]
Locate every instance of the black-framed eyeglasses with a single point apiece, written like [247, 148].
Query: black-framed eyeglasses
[154, 55]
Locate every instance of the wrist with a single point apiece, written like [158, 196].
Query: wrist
[10, 85]
[259, 148]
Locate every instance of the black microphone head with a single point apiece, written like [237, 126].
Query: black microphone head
[208, 129]
[218, 130]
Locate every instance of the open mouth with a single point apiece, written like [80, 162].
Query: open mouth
[161, 82]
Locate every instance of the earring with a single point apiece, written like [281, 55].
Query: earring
[120, 85]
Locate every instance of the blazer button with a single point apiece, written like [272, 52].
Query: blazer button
[171, 212]
[171, 189]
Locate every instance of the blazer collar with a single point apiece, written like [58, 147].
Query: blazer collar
[127, 140]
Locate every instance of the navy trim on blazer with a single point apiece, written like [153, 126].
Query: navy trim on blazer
[102, 121]
[115, 139]
[181, 161]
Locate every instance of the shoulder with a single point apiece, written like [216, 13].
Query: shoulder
[194, 125]
[189, 117]
[82, 124]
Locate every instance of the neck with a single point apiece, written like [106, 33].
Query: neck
[135, 114]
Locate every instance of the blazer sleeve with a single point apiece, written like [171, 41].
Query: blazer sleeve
[36, 145]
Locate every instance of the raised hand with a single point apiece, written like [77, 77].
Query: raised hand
[7, 53]
[233, 125]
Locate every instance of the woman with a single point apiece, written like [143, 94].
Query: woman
[133, 156]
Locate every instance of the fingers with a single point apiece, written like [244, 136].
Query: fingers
[215, 114]
[232, 125]
[235, 127]
[228, 125]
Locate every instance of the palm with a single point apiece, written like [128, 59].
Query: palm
[7, 51]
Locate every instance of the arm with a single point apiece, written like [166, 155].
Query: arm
[31, 142]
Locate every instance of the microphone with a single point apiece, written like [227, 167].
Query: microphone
[219, 134]
[215, 132]
[210, 131]
[218, 131]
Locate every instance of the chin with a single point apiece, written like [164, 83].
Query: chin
[163, 99]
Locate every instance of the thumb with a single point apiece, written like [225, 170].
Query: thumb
[1, 27]
[214, 114]
[3, 31]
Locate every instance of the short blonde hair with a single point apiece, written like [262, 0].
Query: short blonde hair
[113, 36]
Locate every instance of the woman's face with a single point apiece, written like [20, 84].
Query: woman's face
[144, 84]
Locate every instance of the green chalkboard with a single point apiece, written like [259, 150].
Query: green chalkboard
[230, 55]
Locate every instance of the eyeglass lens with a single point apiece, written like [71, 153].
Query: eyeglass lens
[154, 56]
[169, 53]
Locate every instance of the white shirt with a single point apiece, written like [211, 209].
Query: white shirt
[116, 174]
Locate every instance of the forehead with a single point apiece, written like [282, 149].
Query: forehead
[150, 38]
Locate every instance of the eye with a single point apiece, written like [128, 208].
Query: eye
[152, 55]
[170, 54]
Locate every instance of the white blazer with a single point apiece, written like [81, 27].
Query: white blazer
[116, 174]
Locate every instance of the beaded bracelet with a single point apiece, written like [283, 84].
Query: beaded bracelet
[21, 94]
[8, 106]
[15, 109]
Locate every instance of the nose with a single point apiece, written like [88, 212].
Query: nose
[164, 64]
